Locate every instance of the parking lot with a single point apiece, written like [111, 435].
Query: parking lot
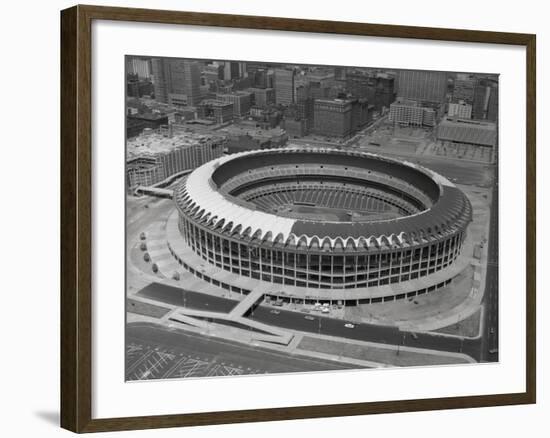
[144, 362]
[156, 352]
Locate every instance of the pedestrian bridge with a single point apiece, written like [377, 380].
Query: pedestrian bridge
[154, 191]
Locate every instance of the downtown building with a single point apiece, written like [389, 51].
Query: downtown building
[262, 97]
[377, 89]
[467, 132]
[141, 67]
[154, 157]
[411, 113]
[284, 86]
[485, 105]
[215, 110]
[177, 79]
[422, 86]
[479, 92]
[332, 117]
[240, 100]
[340, 117]
[460, 110]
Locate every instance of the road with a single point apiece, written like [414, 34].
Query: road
[318, 324]
[155, 352]
[489, 344]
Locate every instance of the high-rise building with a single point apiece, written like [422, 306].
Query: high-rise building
[485, 105]
[231, 70]
[332, 117]
[176, 76]
[284, 86]
[464, 89]
[262, 97]
[460, 110]
[240, 100]
[377, 89]
[423, 86]
[192, 82]
[361, 113]
[141, 67]
[168, 77]
[212, 73]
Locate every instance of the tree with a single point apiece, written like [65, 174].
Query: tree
[143, 246]
[143, 236]
[176, 275]
[147, 257]
[155, 268]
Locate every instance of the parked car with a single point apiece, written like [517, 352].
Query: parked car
[309, 317]
[349, 325]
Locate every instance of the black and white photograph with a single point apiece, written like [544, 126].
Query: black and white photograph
[286, 218]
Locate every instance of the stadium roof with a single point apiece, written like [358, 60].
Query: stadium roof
[199, 197]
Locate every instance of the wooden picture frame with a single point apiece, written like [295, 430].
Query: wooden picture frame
[76, 217]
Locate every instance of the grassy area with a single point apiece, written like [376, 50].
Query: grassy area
[375, 354]
[468, 327]
[146, 309]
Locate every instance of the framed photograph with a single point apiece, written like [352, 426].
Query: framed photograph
[269, 218]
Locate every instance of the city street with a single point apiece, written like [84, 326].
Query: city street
[490, 333]
[155, 352]
[315, 323]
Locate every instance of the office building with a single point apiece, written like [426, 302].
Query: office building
[422, 86]
[176, 76]
[410, 113]
[141, 67]
[241, 102]
[284, 86]
[216, 110]
[464, 89]
[262, 97]
[332, 117]
[460, 110]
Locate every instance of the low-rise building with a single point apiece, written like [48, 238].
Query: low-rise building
[410, 113]
[216, 110]
[136, 123]
[243, 136]
[467, 132]
[152, 157]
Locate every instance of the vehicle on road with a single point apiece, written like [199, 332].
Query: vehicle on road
[275, 311]
[309, 317]
[492, 330]
[414, 335]
[349, 325]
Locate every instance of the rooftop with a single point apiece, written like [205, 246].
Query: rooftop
[478, 124]
[150, 143]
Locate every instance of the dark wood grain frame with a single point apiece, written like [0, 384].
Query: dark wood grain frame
[76, 218]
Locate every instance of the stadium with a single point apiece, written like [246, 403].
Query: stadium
[320, 225]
